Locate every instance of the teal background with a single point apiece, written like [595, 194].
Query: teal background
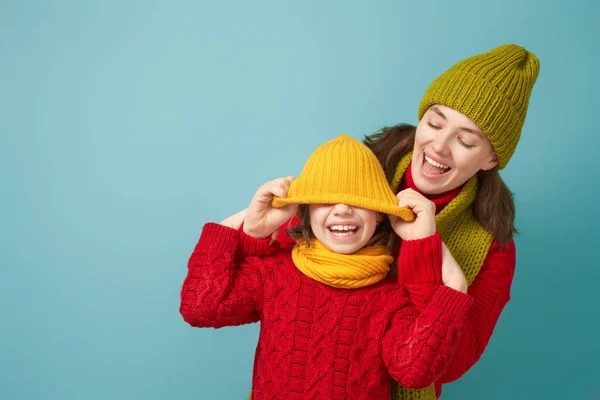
[125, 126]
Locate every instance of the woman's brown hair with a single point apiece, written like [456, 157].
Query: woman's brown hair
[493, 207]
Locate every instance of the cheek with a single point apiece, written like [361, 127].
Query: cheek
[370, 221]
[421, 135]
[470, 163]
[316, 211]
[316, 223]
[316, 219]
[424, 141]
[368, 233]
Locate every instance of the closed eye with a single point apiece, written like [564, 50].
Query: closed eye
[468, 146]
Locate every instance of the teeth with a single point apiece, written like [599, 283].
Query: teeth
[342, 234]
[343, 230]
[343, 227]
[436, 164]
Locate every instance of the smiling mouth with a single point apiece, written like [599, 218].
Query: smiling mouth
[343, 231]
[432, 167]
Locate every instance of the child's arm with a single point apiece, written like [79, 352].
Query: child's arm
[248, 245]
[261, 226]
[418, 347]
[216, 293]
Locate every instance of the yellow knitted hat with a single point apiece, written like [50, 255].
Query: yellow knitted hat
[344, 171]
[492, 89]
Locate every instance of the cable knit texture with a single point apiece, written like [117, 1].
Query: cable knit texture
[421, 276]
[467, 240]
[490, 289]
[316, 341]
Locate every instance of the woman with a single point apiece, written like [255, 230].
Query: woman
[470, 123]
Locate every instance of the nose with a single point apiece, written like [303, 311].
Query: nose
[342, 209]
[440, 143]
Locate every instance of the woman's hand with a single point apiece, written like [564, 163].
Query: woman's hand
[424, 223]
[452, 274]
[262, 219]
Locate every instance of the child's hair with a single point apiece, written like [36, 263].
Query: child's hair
[383, 235]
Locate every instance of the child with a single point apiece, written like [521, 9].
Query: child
[333, 325]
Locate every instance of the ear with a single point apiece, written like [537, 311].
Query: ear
[492, 162]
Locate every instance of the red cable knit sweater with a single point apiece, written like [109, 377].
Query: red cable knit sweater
[316, 341]
[490, 291]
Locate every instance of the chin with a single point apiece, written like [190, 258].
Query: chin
[429, 188]
[343, 249]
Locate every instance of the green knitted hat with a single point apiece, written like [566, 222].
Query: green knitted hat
[492, 89]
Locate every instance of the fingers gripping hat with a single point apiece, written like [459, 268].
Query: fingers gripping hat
[344, 171]
[492, 89]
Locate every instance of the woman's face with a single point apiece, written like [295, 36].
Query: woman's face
[341, 228]
[449, 149]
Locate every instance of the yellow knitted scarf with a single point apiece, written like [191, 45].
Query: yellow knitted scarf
[467, 240]
[365, 267]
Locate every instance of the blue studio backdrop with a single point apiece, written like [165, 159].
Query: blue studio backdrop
[126, 125]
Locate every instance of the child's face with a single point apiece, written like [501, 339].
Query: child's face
[341, 228]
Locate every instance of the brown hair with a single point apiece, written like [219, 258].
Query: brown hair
[383, 235]
[493, 207]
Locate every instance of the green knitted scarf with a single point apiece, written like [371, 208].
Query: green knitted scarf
[467, 240]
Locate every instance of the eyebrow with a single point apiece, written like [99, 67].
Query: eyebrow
[441, 114]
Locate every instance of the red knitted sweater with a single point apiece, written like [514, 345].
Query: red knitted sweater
[490, 290]
[316, 341]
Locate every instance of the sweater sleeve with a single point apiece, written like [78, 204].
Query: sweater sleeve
[250, 246]
[420, 268]
[490, 292]
[418, 347]
[216, 292]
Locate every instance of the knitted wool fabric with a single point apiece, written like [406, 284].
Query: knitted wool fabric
[344, 171]
[492, 89]
[365, 267]
[316, 341]
[467, 240]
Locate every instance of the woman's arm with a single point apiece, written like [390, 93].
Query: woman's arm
[490, 292]
[418, 346]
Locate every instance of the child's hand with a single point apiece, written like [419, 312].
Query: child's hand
[452, 274]
[424, 223]
[235, 221]
[262, 219]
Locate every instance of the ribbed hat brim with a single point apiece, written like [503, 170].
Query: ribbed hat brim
[404, 213]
